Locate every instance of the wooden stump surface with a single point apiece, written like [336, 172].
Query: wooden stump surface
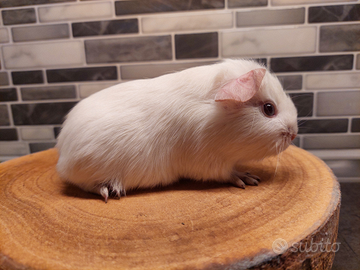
[48, 224]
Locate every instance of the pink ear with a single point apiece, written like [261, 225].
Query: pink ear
[243, 88]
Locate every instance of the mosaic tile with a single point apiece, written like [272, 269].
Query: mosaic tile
[155, 6]
[37, 147]
[13, 149]
[145, 71]
[4, 35]
[43, 54]
[86, 90]
[18, 16]
[264, 42]
[340, 38]
[27, 77]
[270, 17]
[189, 22]
[332, 80]
[339, 103]
[132, 49]
[8, 134]
[323, 126]
[41, 113]
[247, 3]
[338, 13]
[4, 79]
[50, 92]
[17, 3]
[203, 45]
[331, 142]
[312, 63]
[82, 74]
[355, 125]
[4, 116]
[37, 133]
[8, 94]
[300, 2]
[42, 32]
[81, 11]
[100, 28]
[291, 82]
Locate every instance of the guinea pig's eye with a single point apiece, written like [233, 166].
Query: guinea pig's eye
[269, 109]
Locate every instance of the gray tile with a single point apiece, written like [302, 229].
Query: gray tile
[155, 6]
[133, 72]
[202, 45]
[355, 125]
[51, 92]
[345, 168]
[340, 103]
[331, 142]
[132, 49]
[8, 94]
[358, 61]
[323, 126]
[17, 3]
[101, 28]
[8, 134]
[4, 80]
[270, 17]
[312, 63]
[43, 32]
[291, 82]
[339, 38]
[19, 16]
[13, 149]
[4, 116]
[338, 13]
[4, 35]
[27, 77]
[41, 113]
[82, 74]
[37, 147]
[246, 3]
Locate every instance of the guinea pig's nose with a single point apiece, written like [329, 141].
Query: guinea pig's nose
[293, 136]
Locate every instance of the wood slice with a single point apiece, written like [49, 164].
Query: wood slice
[48, 224]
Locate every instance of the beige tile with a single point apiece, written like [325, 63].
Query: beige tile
[300, 2]
[332, 80]
[339, 103]
[81, 11]
[37, 133]
[270, 17]
[263, 42]
[43, 55]
[170, 23]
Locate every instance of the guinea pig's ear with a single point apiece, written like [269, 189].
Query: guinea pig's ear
[242, 88]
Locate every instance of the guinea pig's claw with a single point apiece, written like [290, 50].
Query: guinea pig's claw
[104, 192]
[240, 179]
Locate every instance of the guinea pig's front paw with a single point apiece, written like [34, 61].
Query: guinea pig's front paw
[113, 187]
[239, 179]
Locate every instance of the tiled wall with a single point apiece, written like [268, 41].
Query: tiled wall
[55, 52]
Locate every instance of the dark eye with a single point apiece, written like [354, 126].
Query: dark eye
[269, 109]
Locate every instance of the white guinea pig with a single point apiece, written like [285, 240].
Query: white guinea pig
[197, 123]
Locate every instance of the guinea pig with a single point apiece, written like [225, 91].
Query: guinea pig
[198, 123]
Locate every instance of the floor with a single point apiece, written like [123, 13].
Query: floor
[348, 256]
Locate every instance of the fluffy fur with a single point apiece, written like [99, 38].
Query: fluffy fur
[151, 132]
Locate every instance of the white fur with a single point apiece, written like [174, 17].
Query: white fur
[152, 132]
